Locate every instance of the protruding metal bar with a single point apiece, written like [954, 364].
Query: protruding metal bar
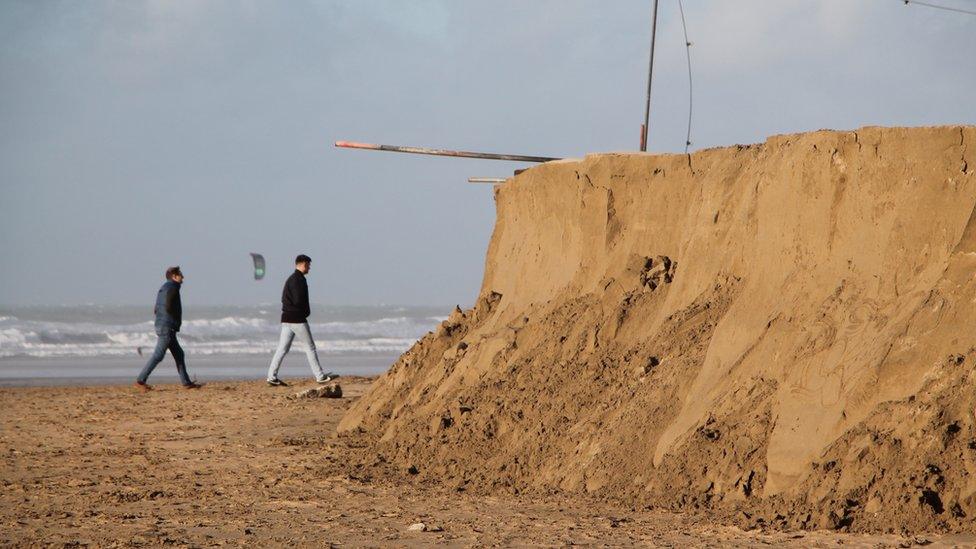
[443, 152]
[650, 75]
[486, 180]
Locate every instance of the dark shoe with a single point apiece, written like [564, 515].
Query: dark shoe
[277, 383]
[329, 377]
[192, 386]
[143, 387]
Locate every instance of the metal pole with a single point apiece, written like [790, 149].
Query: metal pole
[650, 74]
[443, 152]
[486, 180]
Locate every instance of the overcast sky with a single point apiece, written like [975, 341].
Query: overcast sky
[136, 135]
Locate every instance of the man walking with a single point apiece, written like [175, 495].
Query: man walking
[169, 318]
[294, 323]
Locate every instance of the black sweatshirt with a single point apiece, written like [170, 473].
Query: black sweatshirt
[294, 299]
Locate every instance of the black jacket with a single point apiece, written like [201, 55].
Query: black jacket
[294, 299]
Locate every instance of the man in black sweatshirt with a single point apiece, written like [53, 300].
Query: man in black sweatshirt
[294, 315]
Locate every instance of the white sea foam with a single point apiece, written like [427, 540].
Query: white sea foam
[213, 336]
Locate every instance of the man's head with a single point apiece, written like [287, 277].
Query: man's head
[303, 263]
[174, 274]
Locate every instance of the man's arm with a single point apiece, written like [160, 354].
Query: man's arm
[291, 296]
[172, 296]
[286, 294]
[303, 296]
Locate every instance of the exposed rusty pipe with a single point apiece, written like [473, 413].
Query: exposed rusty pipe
[443, 152]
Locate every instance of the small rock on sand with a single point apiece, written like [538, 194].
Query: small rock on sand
[423, 527]
[332, 390]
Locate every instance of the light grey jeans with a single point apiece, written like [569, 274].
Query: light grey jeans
[288, 333]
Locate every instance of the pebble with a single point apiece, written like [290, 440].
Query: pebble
[422, 527]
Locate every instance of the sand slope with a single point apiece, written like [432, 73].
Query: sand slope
[781, 333]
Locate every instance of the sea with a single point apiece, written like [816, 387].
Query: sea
[99, 344]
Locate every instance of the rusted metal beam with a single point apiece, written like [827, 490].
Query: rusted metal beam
[444, 152]
[495, 180]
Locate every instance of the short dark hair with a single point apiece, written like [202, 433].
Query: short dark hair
[302, 258]
[173, 271]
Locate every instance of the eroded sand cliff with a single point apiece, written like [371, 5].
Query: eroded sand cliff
[783, 333]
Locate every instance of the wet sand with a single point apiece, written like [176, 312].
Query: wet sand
[32, 371]
[242, 463]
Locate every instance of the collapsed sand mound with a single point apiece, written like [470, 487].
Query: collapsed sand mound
[783, 333]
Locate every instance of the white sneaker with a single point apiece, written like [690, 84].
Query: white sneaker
[328, 378]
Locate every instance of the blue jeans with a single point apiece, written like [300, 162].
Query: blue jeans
[289, 332]
[166, 340]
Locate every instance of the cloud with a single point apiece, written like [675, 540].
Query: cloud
[748, 35]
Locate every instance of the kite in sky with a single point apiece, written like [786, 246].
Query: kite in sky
[258, 266]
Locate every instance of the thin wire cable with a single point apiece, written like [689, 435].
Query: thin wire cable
[938, 7]
[691, 96]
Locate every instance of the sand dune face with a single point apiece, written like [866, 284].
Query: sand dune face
[784, 329]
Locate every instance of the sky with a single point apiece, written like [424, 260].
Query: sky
[138, 135]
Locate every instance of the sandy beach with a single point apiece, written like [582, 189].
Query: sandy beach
[536, 274]
[241, 463]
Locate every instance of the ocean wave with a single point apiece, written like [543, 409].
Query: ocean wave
[225, 335]
[357, 346]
